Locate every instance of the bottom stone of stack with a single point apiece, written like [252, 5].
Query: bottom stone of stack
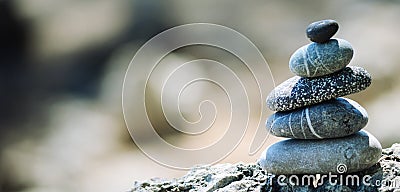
[335, 156]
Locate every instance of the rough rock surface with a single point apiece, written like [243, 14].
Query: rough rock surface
[383, 177]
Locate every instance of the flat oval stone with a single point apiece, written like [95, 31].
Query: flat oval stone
[330, 119]
[315, 59]
[299, 92]
[298, 156]
[322, 31]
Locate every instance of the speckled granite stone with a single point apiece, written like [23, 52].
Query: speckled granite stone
[333, 118]
[298, 156]
[317, 59]
[322, 31]
[298, 91]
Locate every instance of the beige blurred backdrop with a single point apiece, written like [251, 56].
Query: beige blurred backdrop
[62, 65]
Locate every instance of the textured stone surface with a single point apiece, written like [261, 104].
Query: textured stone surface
[298, 91]
[223, 177]
[390, 168]
[250, 177]
[334, 118]
[297, 156]
[317, 59]
[322, 31]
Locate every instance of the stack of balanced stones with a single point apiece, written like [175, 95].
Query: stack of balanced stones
[324, 128]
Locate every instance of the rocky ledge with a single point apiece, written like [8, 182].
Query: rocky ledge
[384, 176]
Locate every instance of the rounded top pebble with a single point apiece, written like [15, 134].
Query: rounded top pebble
[322, 31]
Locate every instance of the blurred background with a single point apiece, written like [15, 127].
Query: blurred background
[62, 65]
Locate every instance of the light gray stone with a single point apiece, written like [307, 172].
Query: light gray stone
[330, 119]
[297, 156]
[316, 59]
[299, 92]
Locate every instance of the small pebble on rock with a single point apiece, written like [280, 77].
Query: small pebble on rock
[331, 119]
[322, 31]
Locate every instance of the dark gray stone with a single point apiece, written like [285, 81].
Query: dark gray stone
[317, 59]
[322, 31]
[299, 92]
[334, 118]
[298, 156]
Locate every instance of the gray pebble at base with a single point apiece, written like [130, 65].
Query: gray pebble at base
[297, 156]
[334, 118]
[299, 92]
[317, 59]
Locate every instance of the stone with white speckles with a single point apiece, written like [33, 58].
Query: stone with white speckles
[349, 154]
[316, 59]
[330, 119]
[298, 91]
